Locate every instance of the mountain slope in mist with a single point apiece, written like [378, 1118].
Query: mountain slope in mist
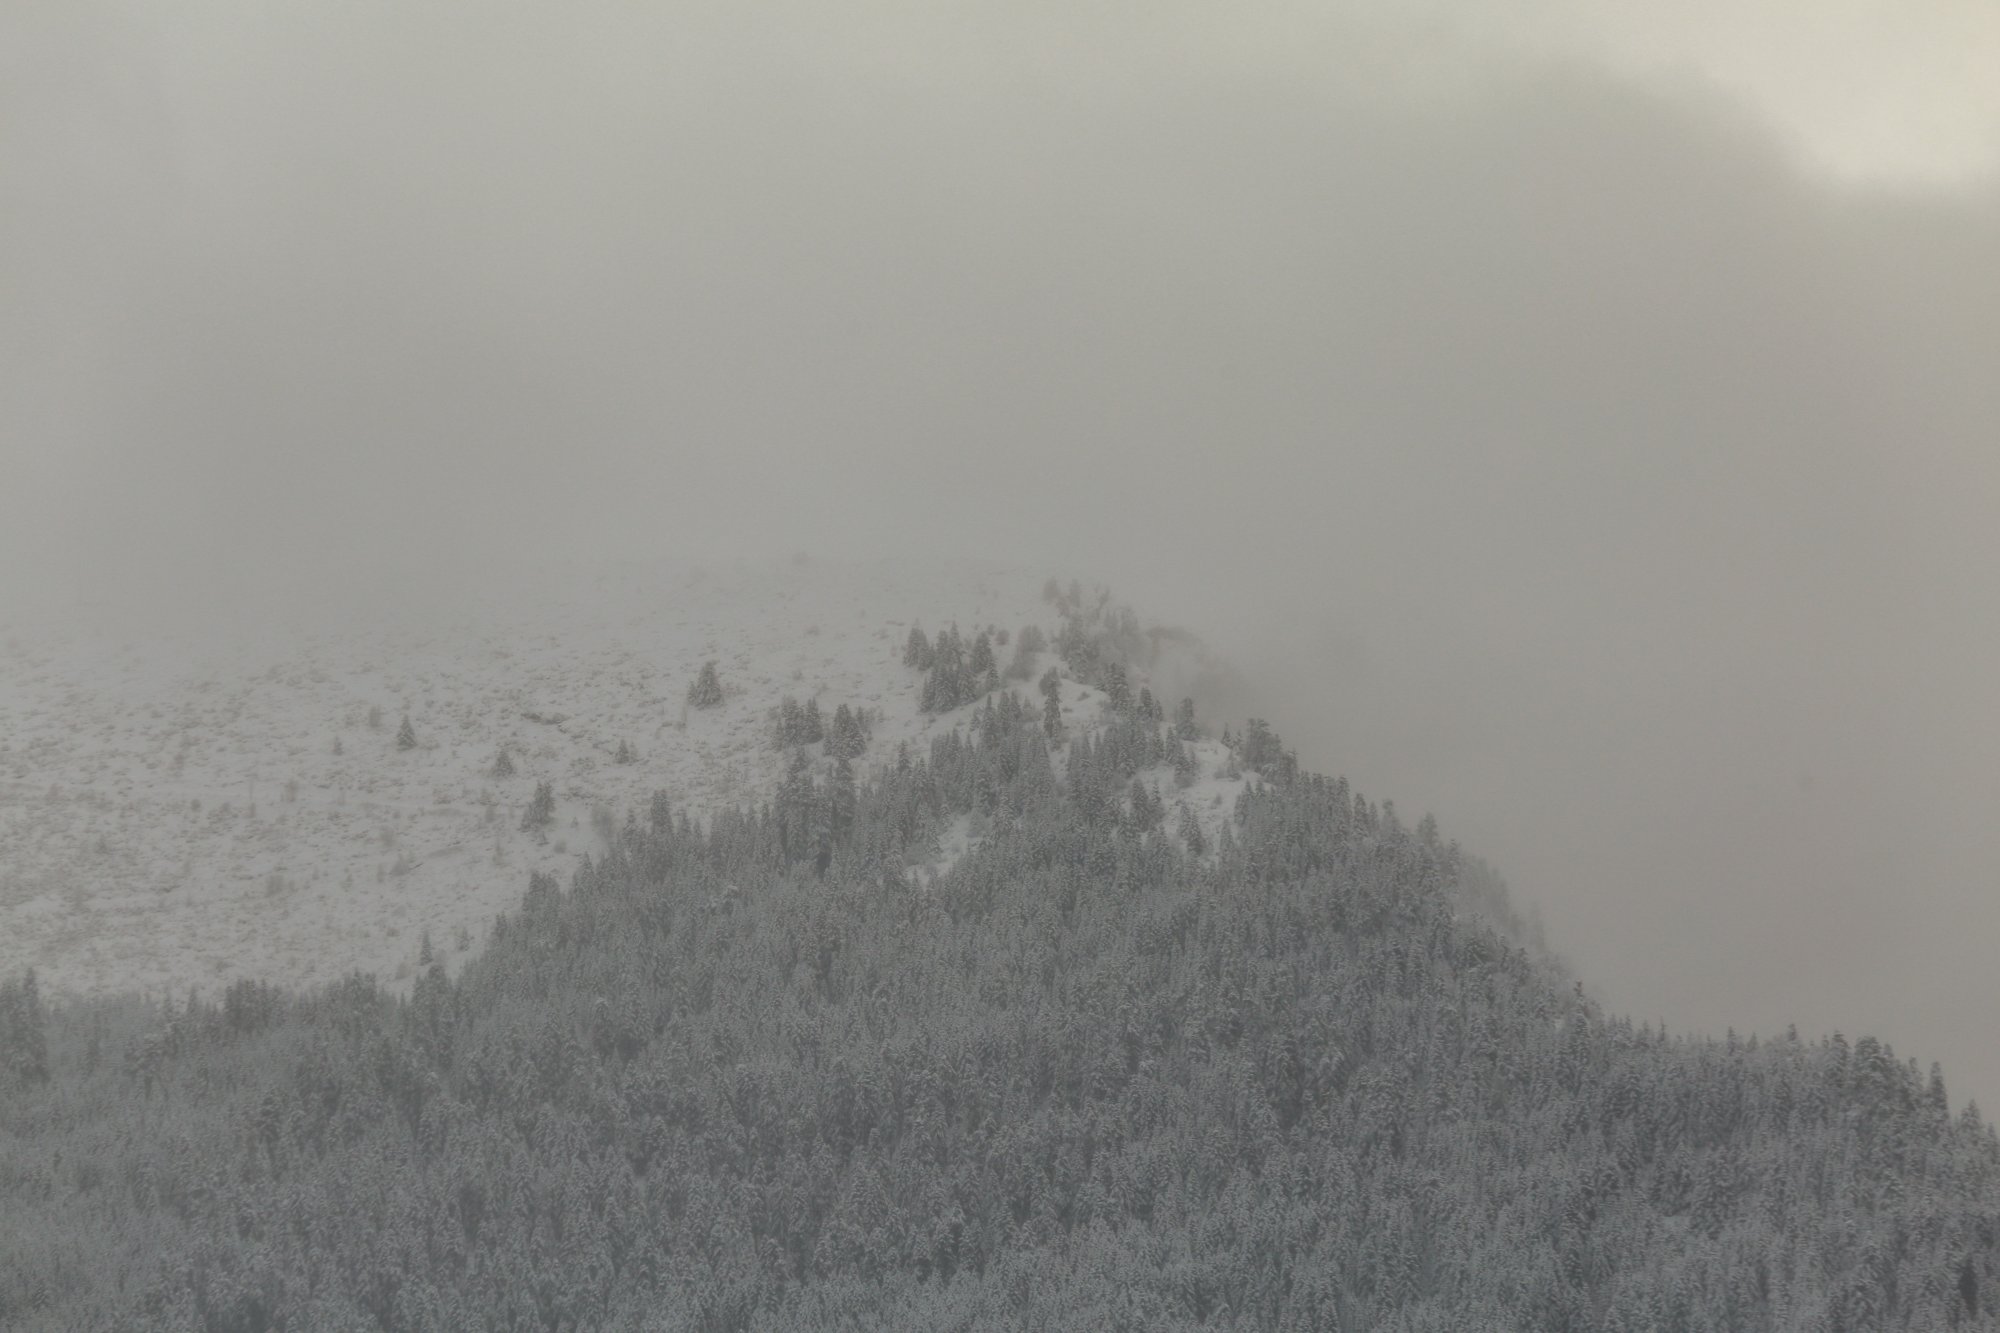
[1077, 1011]
[194, 801]
[189, 805]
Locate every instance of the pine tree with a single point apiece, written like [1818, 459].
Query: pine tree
[1185, 727]
[1261, 748]
[945, 686]
[1145, 806]
[1085, 790]
[793, 807]
[844, 741]
[1117, 688]
[1052, 722]
[424, 956]
[917, 650]
[1191, 834]
[1027, 645]
[406, 735]
[841, 802]
[814, 730]
[981, 664]
[706, 692]
[625, 754]
[503, 764]
[541, 808]
[24, 1050]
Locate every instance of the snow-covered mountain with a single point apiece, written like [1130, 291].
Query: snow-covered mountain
[186, 807]
[1086, 1017]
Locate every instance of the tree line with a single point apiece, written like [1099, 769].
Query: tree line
[752, 1073]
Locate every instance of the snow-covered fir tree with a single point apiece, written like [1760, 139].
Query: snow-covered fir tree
[706, 691]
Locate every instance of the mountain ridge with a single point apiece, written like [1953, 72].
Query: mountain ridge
[979, 1036]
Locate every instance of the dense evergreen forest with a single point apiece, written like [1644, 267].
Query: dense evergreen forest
[1103, 1072]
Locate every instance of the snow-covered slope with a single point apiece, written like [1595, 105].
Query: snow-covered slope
[173, 811]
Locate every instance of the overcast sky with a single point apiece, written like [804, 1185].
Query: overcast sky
[1581, 419]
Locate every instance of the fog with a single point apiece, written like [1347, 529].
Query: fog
[1565, 443]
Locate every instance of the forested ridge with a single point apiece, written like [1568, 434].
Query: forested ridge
[751, 1073]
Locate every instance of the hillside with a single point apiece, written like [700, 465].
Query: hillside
[184, 809]
[1060, 1006]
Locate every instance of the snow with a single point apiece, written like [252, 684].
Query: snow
[173, 814]
[1211, 796]
[957, 838]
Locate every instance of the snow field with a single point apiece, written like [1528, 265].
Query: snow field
[185, 809]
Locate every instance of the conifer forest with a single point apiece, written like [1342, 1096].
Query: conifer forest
[1101, 1072]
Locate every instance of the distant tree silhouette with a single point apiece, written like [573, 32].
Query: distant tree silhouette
[841, 799]
[1027, 644]
[791, 723]
[1263, 751]
[845, 741]
[946, 686]
[1191, 834]
[406, 735]
[503, 764]
[24, 1051]
[706, 692]
[1146, 808]
[793, 808]
[1117, 688]
[541, 808]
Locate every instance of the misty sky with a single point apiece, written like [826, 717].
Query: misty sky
[1581, 422]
